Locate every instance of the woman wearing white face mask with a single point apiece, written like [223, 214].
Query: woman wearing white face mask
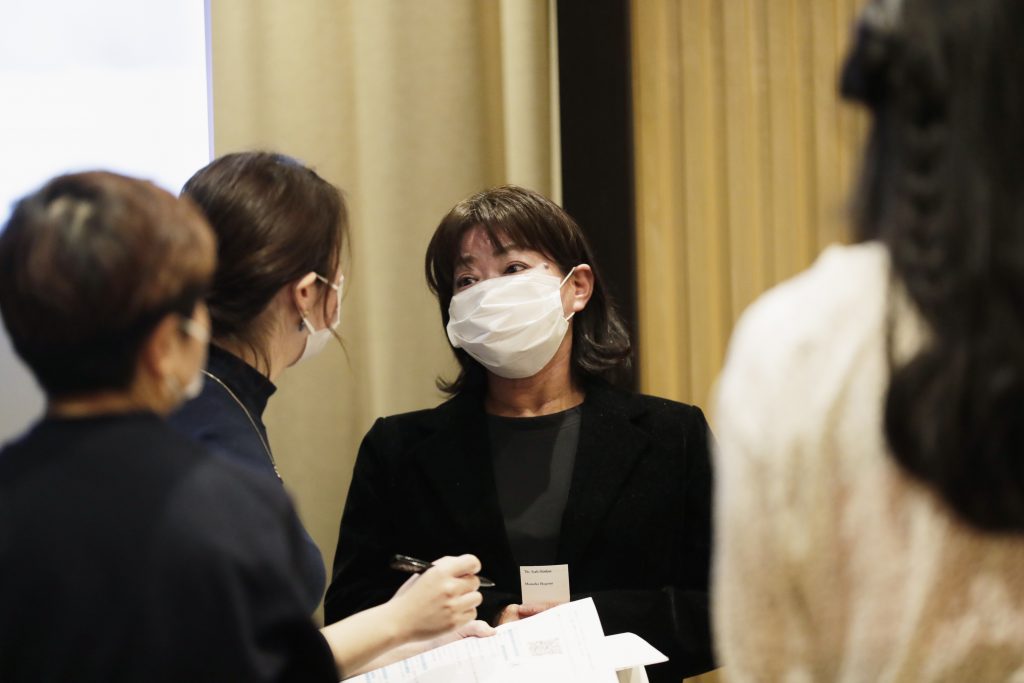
[275, 300]
[537, 459]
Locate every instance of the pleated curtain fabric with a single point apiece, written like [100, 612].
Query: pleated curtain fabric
[744, 160]
[409, 107]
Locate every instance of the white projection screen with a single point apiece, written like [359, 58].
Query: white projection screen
[119, 85]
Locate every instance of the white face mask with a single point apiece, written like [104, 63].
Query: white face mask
[194, 387]
[316, 340]
[513, 324]
[201, 335]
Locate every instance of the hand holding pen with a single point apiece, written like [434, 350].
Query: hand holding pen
[411, 565]
[445, 596]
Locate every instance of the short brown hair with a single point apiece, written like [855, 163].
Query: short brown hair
[600, 343]
[275, 220]
[89, 264]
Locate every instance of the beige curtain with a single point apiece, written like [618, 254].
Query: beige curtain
[744, 158]
[408, 106]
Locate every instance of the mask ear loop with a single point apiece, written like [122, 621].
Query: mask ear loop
[337, 289]
[306, 325]
[560, 284]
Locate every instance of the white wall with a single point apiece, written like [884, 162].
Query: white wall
[118, 85]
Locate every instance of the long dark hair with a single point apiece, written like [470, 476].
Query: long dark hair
[275, 220]
[942, 187]
[600, 342]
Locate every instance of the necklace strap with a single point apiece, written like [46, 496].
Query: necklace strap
[259, 434]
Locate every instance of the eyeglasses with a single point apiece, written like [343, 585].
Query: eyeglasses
[335, 287]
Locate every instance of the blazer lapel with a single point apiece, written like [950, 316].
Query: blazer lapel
[608, 449]
[456, 461]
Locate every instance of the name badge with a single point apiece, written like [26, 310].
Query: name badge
[545, 583]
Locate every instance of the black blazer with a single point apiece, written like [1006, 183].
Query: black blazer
[636, 532]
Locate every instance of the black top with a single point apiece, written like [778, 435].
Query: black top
[127, 553]
[216, 420]
[533, 460]
[636, 530]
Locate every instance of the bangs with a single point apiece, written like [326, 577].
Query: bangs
[520, 226]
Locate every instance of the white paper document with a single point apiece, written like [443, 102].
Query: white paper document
[564, 644]
[628, 654]
[628, 650]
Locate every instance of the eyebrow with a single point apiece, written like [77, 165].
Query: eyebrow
[469, 259]
[505, 248]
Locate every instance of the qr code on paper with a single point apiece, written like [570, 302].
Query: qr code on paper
[539, 648]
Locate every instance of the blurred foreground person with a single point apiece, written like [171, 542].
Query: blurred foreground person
[870, 509]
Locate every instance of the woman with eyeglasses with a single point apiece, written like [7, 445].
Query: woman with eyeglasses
[274, 301]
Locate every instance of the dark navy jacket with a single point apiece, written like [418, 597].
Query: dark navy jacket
[216, 420]
[128, 553]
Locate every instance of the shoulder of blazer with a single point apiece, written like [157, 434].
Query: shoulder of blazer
[609, 404]
[418, 424]
[641, 409]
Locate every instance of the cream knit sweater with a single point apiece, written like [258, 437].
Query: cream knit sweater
[830, 563]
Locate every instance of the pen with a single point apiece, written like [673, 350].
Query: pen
[404, 563]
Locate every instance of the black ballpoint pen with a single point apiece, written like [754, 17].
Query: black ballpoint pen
[404, 563]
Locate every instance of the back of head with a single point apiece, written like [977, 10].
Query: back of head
[942, 188]
[275, 220]
[89, 264]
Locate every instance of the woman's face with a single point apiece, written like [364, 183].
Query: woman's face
[480, 259]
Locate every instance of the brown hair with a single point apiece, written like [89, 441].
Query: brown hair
[600, 342]
[89, 264]
[275, 220]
